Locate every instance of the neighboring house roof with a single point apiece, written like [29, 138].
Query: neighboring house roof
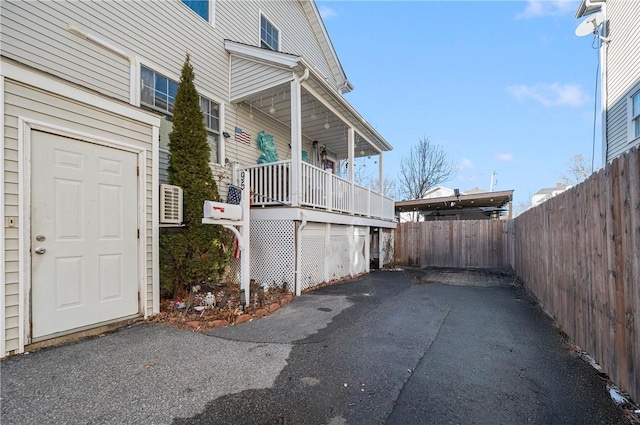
[560, 187]
[584, 10]
[438, 191]
[474, 190]
[548, 193]
[466, 206]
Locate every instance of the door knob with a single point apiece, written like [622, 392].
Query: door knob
[40, 250]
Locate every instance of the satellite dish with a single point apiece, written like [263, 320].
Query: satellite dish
[590, 25]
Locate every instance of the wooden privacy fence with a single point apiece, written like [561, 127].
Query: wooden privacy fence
[455, 243]
[579, 253]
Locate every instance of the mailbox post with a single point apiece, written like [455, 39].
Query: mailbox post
[236, 219]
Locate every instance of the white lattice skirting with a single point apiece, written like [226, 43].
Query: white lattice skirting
[328, 252]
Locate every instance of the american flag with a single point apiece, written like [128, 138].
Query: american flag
[233, 195]
[236, 248]
[242, 136]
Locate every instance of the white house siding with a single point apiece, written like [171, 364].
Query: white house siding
[623, 70]
[35, 34]
[159, 33]
[249, 77]
[31, 103]
[247, 154]
[240, 21]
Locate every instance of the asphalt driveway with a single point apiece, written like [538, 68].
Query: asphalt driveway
[443, 347]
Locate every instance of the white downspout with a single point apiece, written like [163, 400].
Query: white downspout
[304, 76]
[604, 101]
[133, 59]
[298, 272]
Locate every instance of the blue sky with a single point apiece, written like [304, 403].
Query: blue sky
[502, 86]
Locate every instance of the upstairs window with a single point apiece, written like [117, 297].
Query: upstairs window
[269, 35]
[211, 116]
[157, 91]
[203, 8]
[635, 116]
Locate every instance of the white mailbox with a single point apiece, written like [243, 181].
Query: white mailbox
[222, 211]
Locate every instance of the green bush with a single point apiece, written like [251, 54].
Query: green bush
[194, 252]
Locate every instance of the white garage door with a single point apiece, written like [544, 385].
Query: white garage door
[83, 234]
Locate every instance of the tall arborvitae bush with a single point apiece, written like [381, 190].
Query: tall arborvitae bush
[193, 253]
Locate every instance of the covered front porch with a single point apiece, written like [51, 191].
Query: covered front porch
[317, 166]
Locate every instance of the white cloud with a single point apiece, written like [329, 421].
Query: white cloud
[465, 163]
[467, 178]
[505, 157]
[564, 95]
[327, 12]
[540, 8]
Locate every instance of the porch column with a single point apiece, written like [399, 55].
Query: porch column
[380, 176]
[351, 159]
[350, 153]
[296, 142]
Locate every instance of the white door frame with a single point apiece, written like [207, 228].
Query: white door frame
[25, 127]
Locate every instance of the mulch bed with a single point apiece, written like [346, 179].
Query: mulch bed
[210, 307]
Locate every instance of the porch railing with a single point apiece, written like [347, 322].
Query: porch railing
[271, 185]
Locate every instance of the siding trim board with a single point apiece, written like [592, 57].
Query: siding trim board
[3, 310]
[155, 228]
[23, 229]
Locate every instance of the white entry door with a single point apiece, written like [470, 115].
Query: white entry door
[83, 234]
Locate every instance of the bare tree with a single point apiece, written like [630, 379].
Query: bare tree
[426, 166]
[389, 187]
[578, 171]
[367, 177]
[522, 207]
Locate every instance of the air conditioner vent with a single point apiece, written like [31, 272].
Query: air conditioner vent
[170, 204]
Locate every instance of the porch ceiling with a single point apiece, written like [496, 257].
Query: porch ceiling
[318, 122]
[325, 114]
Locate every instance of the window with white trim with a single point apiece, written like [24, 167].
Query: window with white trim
[269, 35]
[157, 91]
[203, 8]
[211, 116]
[635, 116]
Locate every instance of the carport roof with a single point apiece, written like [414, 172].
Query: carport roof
[484, 201]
